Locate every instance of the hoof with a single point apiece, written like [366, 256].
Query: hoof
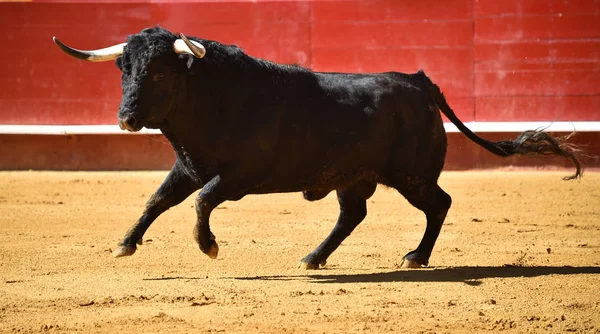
[311, 266]
[212, 251]
[410, 264]
[140, 241]
[414, 259]
[124, 251]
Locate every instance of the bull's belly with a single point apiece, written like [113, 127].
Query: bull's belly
[326, 180]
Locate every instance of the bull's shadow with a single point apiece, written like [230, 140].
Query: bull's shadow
[468, 275]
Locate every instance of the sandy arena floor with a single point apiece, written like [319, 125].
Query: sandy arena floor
[520, 251]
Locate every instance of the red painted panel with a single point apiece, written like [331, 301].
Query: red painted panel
[454, 83]
[87, 2]
[111, 18]
[539, 51]
[537, 108]
[407, 60]
[512, 28]
[391, 10]
[499, 67]
[83, 83]
[545, 49]
[537, 83]
[531, 7]
[54, 64]
[278, 31]
[64, 111]
[226, 2]
[45, 86]
[193, 13]
[537, 60]
[33, 38]
[419, 33]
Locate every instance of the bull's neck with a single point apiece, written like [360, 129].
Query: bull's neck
[216, 93]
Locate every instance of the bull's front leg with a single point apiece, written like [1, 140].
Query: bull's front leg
[174, 189]
[215, 192]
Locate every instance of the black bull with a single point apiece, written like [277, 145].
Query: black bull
[241, 125]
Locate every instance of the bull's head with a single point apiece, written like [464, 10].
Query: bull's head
[152, 72]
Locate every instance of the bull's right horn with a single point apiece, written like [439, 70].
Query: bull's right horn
[184, 45]
[106, 54]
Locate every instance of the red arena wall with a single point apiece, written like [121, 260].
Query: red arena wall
[500, 64]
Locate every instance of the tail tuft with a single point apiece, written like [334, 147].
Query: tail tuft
[538, 142]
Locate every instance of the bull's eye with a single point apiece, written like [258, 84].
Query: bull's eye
[158, 77]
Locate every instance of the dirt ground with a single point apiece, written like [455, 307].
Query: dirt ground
[520, 251]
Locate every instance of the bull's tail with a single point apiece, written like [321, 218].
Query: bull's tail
[530, 142]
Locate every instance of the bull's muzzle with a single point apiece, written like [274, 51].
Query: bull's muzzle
[130, 123]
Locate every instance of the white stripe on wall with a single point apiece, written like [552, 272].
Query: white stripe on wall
[591, 126]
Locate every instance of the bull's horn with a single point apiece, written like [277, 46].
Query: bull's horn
[106, 54]
[184, 45]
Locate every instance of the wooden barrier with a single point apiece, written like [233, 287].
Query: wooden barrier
[496, 61]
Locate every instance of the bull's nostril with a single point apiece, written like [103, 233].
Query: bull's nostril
[130, 121]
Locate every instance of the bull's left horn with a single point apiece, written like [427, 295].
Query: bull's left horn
[184, 45]
[106, 54]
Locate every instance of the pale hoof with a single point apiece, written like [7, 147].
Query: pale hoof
[213, 251]
[310, 266]
[409, 264]
[124, 251]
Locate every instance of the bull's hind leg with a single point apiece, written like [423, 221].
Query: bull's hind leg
[434, 202]
[353, 209]
[174, 189]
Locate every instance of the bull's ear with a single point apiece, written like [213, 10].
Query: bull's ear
[187, 60]
[119, 63]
